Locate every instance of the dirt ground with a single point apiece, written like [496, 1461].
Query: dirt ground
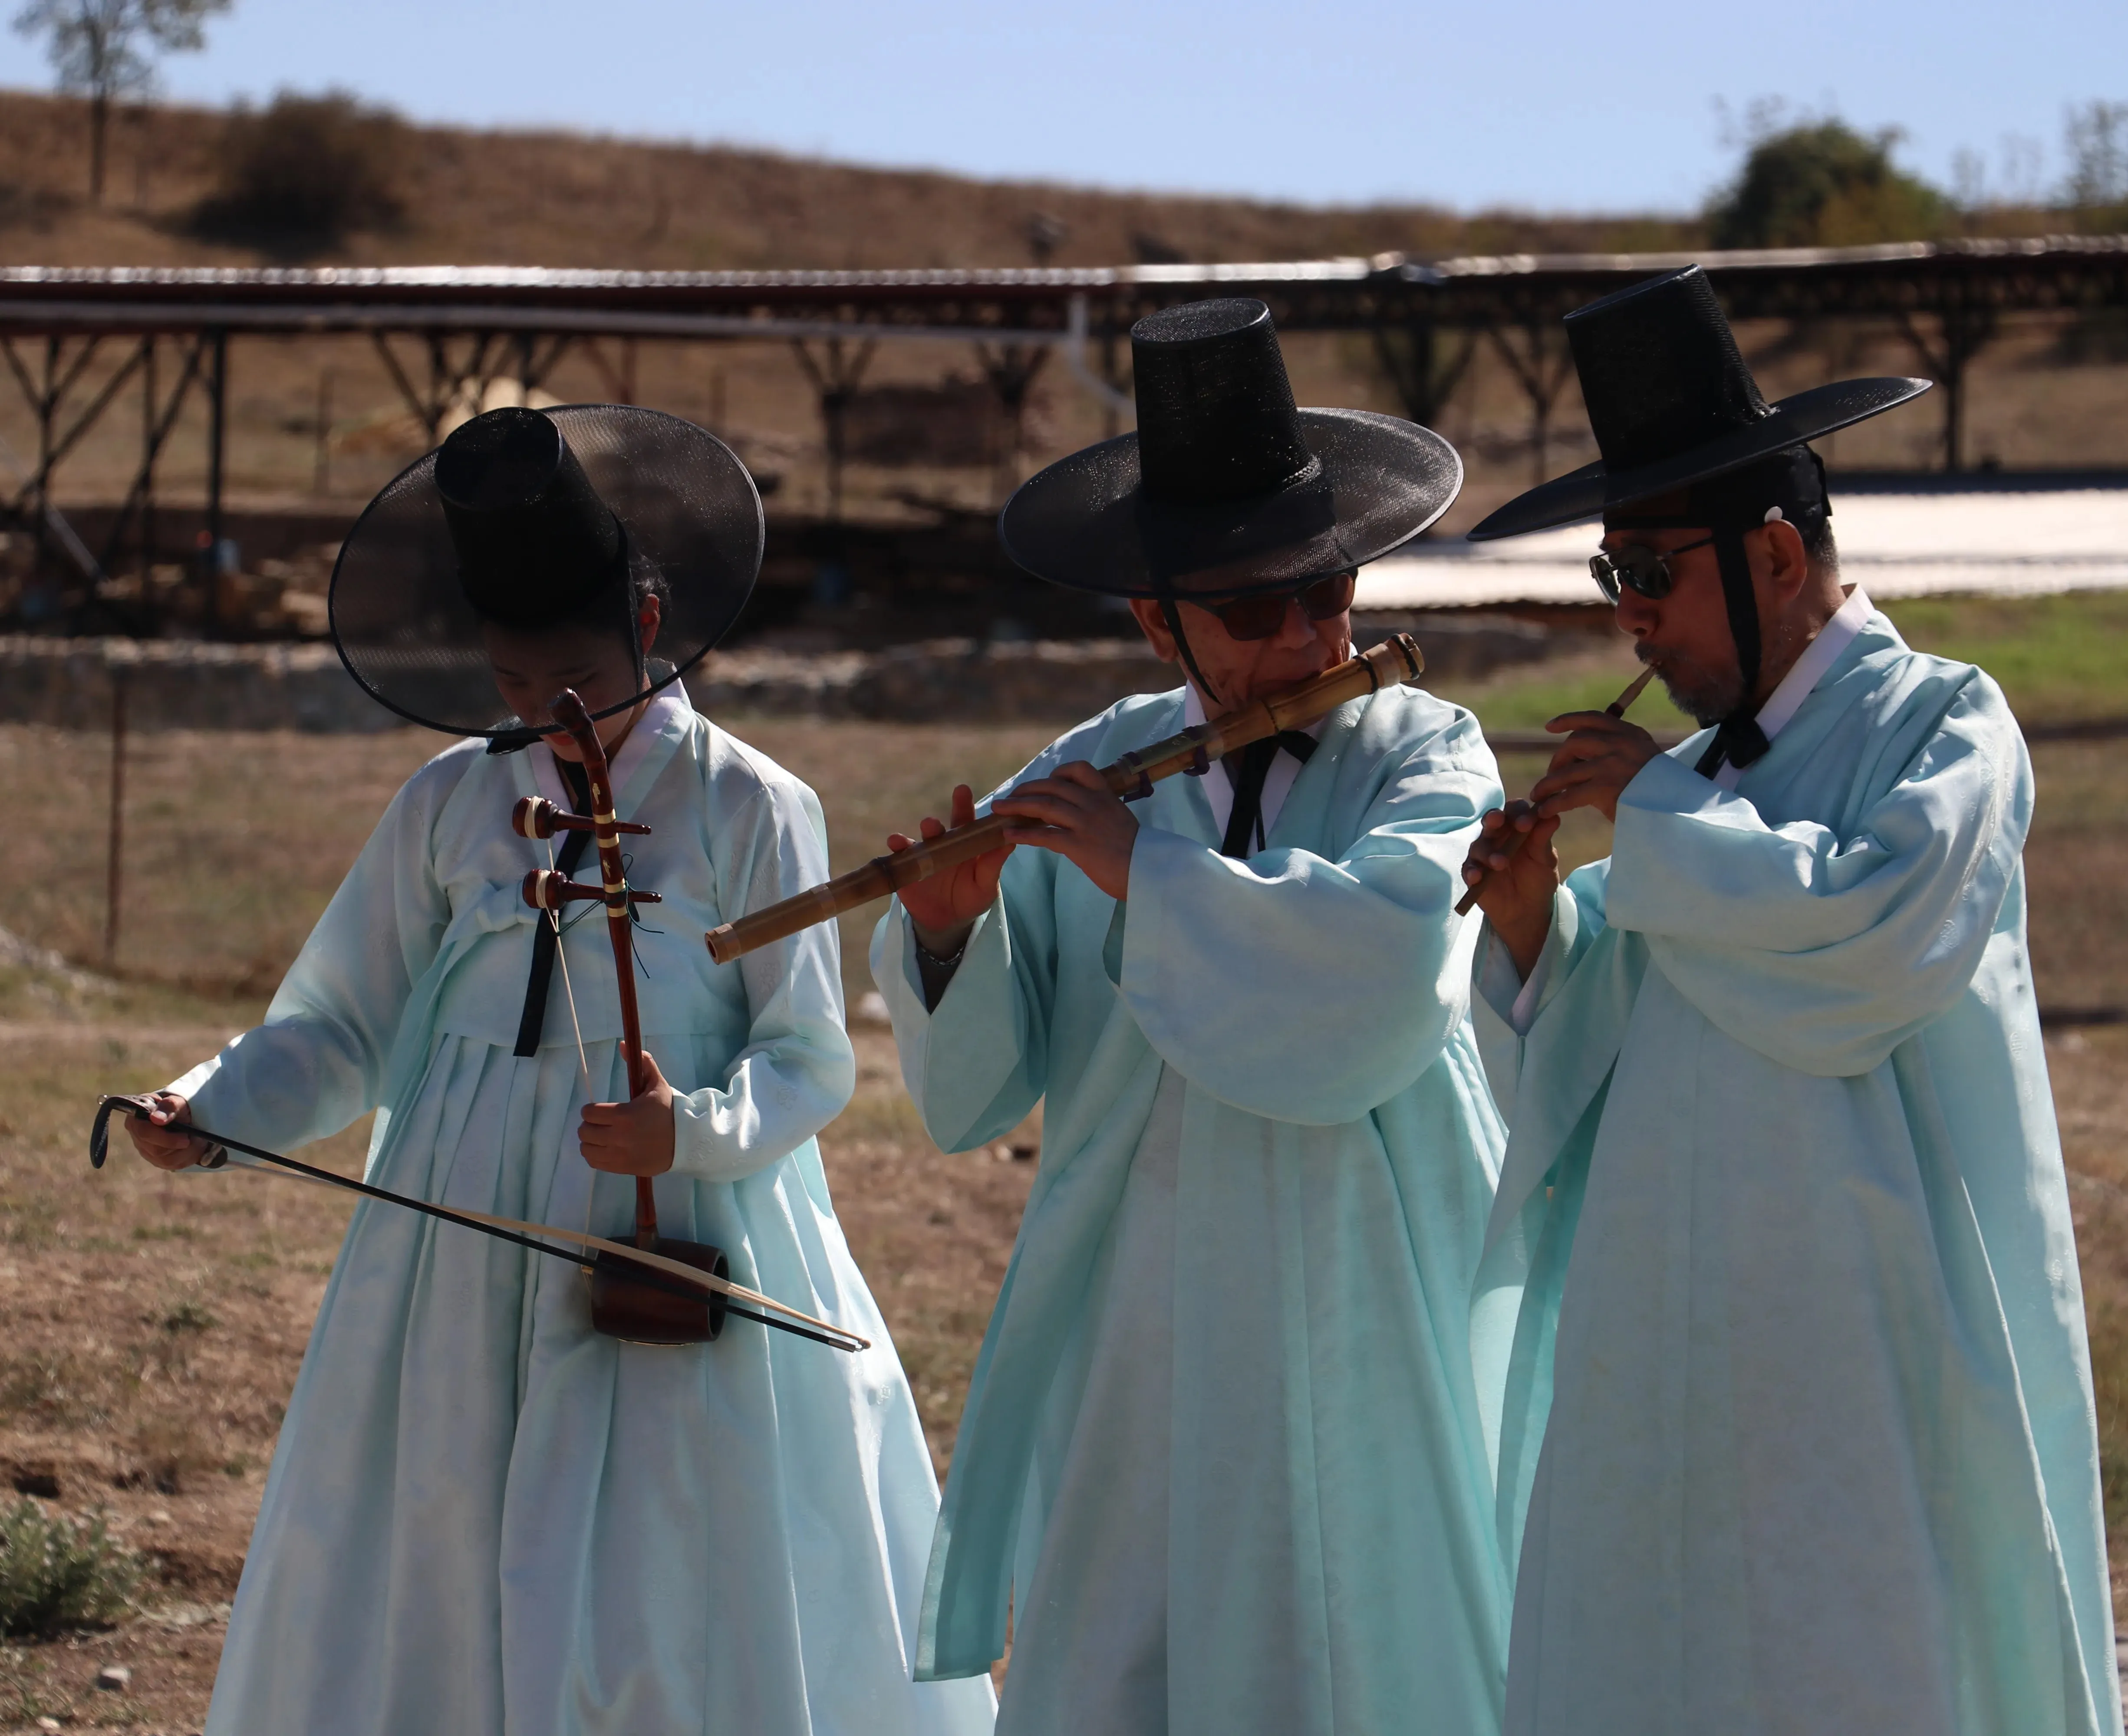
[151, 1326]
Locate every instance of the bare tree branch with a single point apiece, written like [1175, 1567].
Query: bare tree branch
[105, 50]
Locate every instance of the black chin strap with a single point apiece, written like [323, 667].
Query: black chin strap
[1738, 738]
[1173, 616]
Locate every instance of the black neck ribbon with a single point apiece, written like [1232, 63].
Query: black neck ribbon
[532, 1021]
[1248, 768]
[1738, 738]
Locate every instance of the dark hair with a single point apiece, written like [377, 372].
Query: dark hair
[616, 609]
[1818, 545]
[615, 605]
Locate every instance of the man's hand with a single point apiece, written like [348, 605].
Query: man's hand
[1514, 866]
[161, 1139]
[945, 907]
[633, 1138]
[1600, 755]
[1074, 813]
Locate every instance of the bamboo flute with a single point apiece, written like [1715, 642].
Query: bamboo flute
[1396, 659]
[1615, 709]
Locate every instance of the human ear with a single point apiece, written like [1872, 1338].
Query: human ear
[1786, 566]
[648, 620]
[1154, 626]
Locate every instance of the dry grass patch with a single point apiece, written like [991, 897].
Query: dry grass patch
[932, 1232]
[151, 1326]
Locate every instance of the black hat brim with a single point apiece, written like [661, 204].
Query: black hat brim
[1794, 421]
[1085, 522]
[403, 627]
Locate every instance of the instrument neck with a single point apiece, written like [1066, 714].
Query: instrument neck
[569, 711]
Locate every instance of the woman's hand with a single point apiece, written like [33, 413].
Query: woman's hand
[161, 1139]
[944, 908]
[1074, 813]
[633, 1138]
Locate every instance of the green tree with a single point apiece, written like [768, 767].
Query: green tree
[104, 50]
[1823, 184]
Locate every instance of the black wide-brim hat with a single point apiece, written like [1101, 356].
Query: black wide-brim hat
[1226, 488]
[1672, 403]
[542, 519]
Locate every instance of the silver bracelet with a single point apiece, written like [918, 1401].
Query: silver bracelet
[929, 957]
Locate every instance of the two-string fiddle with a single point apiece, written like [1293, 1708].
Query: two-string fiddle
[622, 1305]
[660, 1290]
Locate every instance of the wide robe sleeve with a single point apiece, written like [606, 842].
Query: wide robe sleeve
[1824, 949]
[1304, 988]
[976, 1063]
[797, 1069]
[322, 1056]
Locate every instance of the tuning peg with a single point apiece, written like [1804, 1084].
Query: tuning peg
[547, 889]
[535, 817]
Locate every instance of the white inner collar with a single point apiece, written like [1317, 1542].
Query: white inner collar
[1218, 783]
[668, 704]
[1808, 670]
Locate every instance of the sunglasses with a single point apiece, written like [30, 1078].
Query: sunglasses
[1639, 569]
[1259, 618]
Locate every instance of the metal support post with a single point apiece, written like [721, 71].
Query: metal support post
[835, 379]
[114, 858]
[1966, 329]
[217, 389]
[1541, 374]
[147, 483]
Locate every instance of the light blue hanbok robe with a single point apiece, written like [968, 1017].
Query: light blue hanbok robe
[484, 1518]
[1225, 1451]
[1784, 1180]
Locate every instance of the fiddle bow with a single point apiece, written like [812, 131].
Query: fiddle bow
[661, 1290]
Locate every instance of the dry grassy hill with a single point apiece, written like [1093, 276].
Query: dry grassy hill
[318, 423]
[565, 199]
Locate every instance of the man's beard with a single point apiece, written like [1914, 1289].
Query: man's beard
[1704, 695]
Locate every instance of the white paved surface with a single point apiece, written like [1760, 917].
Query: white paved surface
[2011, 543]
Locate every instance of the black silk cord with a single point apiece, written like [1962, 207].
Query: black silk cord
[1247, 771]
[1738, 738]
[1173, 616]
[532, 1023]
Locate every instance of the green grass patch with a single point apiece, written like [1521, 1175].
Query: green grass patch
[2056, 658]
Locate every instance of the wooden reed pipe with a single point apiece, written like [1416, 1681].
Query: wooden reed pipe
[1617, 709]
[1396, 659]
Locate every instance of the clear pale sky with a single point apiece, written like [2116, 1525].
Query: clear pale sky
[1542, 104]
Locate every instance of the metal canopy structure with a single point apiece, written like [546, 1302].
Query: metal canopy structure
[442, 330]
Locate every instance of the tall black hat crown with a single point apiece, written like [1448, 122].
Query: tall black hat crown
[1660, 371]
[1671, 403]
[1227, 486]
[536, 519]
[1216, 418]
[536, 545]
